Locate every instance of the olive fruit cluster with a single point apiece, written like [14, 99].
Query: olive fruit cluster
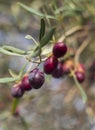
[34, 79]
[52, 65]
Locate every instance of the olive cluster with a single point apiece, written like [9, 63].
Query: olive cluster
[52, 66]
[34, 79]
[57, 69]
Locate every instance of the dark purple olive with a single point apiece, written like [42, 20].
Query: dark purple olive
[80, 76]
[26, 84]
[59, 49]
[36, 78]
[17, 91]
[50, 64]
[58, 71]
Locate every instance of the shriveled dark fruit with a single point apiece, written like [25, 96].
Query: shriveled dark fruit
[58, 71]
[50, 64]
[17, 91]
[67, 66]
[26, 84]
[59, 49]
[80, 76]
[36, 78]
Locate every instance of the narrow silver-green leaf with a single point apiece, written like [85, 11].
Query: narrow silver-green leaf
[37, 52]
[42, 29]
[44, 41]
[13, 49]
[8, 79]
[14, 78]
[33, 11]
[47, 37]
[6, 52]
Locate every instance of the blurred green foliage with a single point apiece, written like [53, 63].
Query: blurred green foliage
[50, 109]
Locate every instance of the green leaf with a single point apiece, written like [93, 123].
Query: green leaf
[31, 10]
[14, 78]
[42, 29]
[8, 79]
[37, 52]
[47, 37]
[44, 41]
[83, 94]
[13, 49]
[7, 52]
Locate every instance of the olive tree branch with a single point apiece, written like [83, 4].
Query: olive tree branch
[81, 48]
[70, 32]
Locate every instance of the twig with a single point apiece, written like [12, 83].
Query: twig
[70, 32]
[81, 48]
[83, 94]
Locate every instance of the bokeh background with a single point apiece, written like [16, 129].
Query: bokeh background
[58, 104]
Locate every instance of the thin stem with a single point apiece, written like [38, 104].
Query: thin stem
[83, 94]
[14, 105]
[81, 48]
[31, 38]
[70, 32]
[40, 58]
[34, 41]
